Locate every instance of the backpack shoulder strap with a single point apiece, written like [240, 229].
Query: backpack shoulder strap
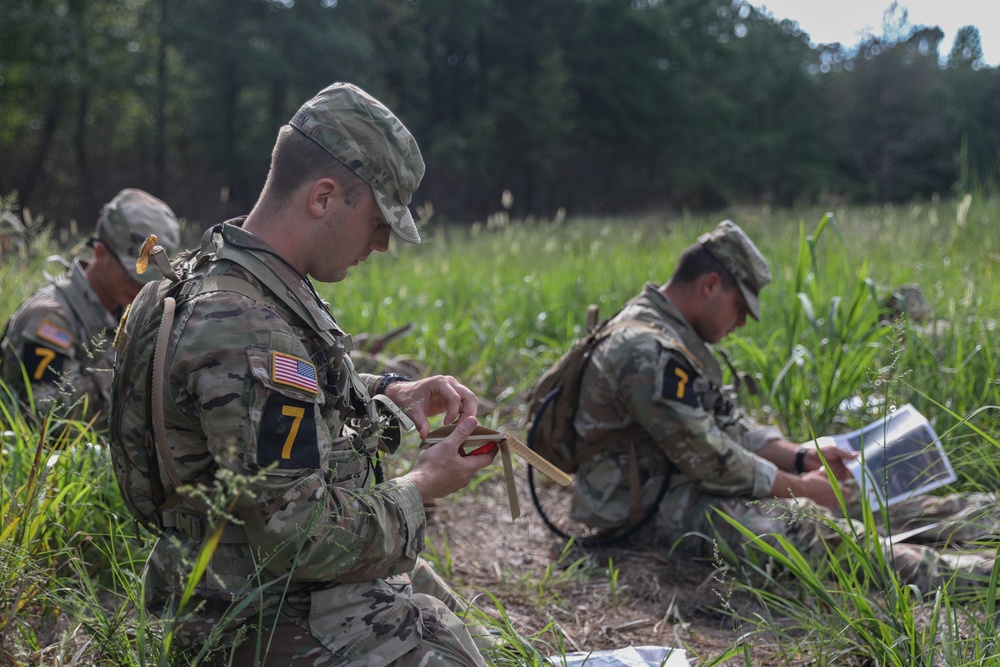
[159, 422]
[230, 284]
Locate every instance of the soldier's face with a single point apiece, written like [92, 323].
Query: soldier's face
[113, 284]
[357, 229]
[725, 312]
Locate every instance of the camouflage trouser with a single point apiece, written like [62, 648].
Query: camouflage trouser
[956, 518]
[302, 635]
[687, 521]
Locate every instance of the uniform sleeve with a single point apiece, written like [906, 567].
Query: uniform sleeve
[751, 435]
[659, 385]
[242, 378]
[42, 341]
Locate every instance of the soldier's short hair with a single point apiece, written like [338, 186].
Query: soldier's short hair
[695, 262]
[297, 159]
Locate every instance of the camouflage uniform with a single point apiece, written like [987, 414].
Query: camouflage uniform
[333, 539]
[258, 385]
[60, 337]
[660, 391]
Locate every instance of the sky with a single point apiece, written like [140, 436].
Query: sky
[846, 21]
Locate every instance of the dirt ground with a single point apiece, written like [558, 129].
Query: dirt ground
[656, 599]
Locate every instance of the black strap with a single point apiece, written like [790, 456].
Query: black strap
[605, 540]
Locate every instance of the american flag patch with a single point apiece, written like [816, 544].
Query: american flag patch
[295, 372]
[55, 335]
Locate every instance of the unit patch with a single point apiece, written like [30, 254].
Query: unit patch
[43, 364]
[288, 433]
[678, 384]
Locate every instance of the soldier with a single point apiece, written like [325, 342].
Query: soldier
[658, 391]
[56, 348]
[263, 413]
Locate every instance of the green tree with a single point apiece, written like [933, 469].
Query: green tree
[73, 89]
[893, 103]
[974, 102]
[967, 49]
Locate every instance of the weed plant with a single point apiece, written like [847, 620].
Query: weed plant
[495, 304]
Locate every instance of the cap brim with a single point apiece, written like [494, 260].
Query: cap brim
[753, 303]
[398, 216]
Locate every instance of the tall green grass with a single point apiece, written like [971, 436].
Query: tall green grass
[497, 303]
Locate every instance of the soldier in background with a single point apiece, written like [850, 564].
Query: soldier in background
[318, 555]
[657, 391]
[56, 349]
[369, 354]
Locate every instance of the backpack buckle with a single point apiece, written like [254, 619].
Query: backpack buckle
[191, 525]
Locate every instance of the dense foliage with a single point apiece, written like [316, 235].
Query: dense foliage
[592, 106]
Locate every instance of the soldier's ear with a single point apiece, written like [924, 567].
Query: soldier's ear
[709, 283]
[321, 194]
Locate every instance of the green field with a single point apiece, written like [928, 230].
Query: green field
[494, 305]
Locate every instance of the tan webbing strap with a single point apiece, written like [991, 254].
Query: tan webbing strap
[265, 275]
[230, 284]
[159, 423]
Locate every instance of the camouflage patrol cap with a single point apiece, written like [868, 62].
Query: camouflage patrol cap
[362, 133]
[128, 219]
[730, 245]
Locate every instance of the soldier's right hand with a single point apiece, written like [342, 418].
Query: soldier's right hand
[814, 485]
[442, 469]
[817, 487]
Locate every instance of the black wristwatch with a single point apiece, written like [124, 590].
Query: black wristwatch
[800, 460]
[388, 379]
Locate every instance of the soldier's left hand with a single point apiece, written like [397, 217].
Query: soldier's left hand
[435, 395]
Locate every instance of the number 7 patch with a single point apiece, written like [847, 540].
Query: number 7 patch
[288, 433]
[43, 364]
[678, 384]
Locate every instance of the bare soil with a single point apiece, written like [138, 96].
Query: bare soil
[656, 599]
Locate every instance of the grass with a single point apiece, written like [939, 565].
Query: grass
[497, 303]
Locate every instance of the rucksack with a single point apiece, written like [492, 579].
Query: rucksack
[130, 439]
[552, 407]
[136, 432]
[553, 401]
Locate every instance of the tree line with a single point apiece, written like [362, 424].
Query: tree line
[595, 107]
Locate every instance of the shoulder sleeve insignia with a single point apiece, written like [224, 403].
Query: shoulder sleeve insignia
[294, 372]
[43, 364]
[678, 384]
[56, 335]
[288, 434]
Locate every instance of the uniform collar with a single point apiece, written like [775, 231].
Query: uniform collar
[229, 241]
[83, 301]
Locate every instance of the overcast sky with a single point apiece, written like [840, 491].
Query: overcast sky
[847, 21]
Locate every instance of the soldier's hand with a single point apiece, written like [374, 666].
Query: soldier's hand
[816, 486]
[438, 394]
[836, 460]
[441, 468]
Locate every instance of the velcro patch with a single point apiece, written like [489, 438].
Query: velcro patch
[294, 372]
[54, 334]
[678, 384]
[288, 434]
[42, 363]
